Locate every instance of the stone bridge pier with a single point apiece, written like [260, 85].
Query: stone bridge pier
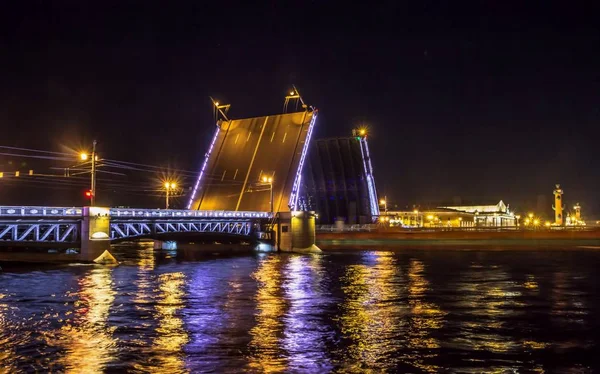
[95, 235]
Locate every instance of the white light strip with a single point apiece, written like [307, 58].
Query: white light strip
[293, 204]
[212, 144]
[370, 184]
[373, 191]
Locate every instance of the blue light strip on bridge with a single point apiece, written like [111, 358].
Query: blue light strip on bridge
[293, 204]
[212, 144]
[370, 182]
[373, 189]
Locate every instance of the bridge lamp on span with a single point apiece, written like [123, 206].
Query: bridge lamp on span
[269, 180]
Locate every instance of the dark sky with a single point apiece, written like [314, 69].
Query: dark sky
[484, 101]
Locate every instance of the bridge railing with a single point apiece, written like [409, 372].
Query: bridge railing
[40, 211]
[75, 212]
[174, 213]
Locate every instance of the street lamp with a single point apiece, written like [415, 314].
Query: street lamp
[384, 203]
[84, 157]
[169, 186]
[269, 180]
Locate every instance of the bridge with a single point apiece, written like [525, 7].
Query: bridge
[250, 179]
[64, 227]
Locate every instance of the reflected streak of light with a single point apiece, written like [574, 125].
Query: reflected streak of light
[172, 335]
[88, 340]
[304, 333]
[266, 334]
[7, 353]
[145, 264]
[490, 297]
[424, 318]
[370, 314]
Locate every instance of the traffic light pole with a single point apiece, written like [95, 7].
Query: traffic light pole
[93, 197]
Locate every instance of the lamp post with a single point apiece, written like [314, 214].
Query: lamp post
[169, 186]
[84, 157]
[384, 203]
[269, 180]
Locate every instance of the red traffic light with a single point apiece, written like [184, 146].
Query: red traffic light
[88, 193]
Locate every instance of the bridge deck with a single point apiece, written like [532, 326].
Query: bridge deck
[243, 152]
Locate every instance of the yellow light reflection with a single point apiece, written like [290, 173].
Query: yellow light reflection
[491, 298]
[7, 352]
[370, 319]
[87, 338]
[172, 335]
[146, 263]
[425, 317]
[270, 305]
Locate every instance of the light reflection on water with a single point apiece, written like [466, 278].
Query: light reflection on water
[354, 312]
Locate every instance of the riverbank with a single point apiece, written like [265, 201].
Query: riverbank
[482, 240]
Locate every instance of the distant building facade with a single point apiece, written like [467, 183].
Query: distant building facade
[498, 215]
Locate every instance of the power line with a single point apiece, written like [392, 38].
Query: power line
[35, 150]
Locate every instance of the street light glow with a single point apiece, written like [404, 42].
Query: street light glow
[382, 202]
[83, 156]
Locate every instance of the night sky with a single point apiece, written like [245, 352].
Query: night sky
[484, 102]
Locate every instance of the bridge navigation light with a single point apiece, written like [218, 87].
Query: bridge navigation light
[89, 194]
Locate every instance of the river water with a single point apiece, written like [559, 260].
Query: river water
[408, 311]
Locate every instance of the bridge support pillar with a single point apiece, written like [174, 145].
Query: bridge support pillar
[95, 235]
[299, 234]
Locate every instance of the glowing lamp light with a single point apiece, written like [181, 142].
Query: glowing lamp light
[362, 132]
[216, 103]
[83, 156]
[292, 93]
[382, 202]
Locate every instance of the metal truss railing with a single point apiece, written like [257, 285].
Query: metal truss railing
[39, 211]
[49, 211]
[184, 214]
[24, 231]
[130, 229]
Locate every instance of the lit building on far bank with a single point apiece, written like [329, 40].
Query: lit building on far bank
[498, 215]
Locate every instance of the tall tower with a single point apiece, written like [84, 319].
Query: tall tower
[558, 206]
